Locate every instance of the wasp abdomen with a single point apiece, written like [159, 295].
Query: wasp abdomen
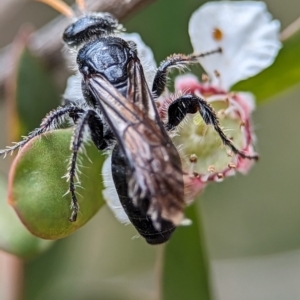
[137, 214]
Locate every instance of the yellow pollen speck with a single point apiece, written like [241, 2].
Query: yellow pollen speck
[220, 175]
[232, 166]
[196, 175]
[221, 114]
[211, 169]
[217, 34]
[217, 73]
[229, 154]
[193, 158]
[205, 78]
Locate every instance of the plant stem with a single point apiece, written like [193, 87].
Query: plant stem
[290, 30]
[11, 277]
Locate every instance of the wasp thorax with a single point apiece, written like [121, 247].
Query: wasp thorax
[106, 56]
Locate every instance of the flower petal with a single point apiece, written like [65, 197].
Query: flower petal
[110, 193]
[246, 33]
[73, 91]
[145, 55]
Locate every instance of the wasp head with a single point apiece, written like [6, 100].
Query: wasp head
[90, 27]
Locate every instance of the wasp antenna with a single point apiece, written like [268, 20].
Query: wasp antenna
[81, 5]
[60, 6]
[219, 50]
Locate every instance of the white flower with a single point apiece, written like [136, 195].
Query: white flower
[110, 193]
[246, 33]
[249, 41]
[145, 55]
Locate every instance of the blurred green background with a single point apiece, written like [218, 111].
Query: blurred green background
[251, 223]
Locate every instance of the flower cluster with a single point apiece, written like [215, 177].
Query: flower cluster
[248, 38]
[205, 158]
[249, 41]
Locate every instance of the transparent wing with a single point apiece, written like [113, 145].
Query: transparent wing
[154, 163]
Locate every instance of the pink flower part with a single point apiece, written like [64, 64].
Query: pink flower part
[190, 83]
[193, 186]
[238, 108]
[246, 101]
[244, 165]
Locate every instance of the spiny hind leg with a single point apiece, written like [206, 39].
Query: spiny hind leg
[172, 62]
[50, 122]
[88, 120]
[190, 104]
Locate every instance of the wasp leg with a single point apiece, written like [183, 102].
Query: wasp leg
[178, 61]
[51, 121]
[88, 120]
[190, 104]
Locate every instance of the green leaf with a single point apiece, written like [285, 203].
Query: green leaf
[36, 93]
[282, 75]
[36, 186]
[185, 270]
[14, 237]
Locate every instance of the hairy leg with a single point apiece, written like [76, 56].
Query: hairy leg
[91, 121]
[190, 104]
[51, 121]
[171, 62]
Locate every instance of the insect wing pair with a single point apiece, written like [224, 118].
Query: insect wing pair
[146, 167]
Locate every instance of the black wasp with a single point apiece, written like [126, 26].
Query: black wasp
[120, 114]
